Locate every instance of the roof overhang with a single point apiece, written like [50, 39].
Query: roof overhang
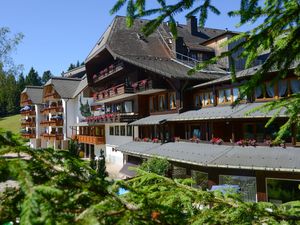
[261, 158]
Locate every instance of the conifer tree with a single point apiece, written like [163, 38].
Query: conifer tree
[46, 76]
[33, 78]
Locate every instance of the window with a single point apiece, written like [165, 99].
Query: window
[224, 96]
[128, 106]
[281, 191]
[117, 130]
[294, 86]
[151, 104]
[198, 101]
[235, 93]
[270, 91]
[162, 102]
[172, 100]
[122, 129]
[129, 130]
[111, 130]
[247, 185]
[200, 178]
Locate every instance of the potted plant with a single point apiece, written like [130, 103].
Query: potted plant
[217, 141]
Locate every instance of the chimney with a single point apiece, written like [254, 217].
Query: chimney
[192, 25]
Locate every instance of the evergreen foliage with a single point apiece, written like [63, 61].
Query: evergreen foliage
[46, 76]
[54, 187]
[278, 33]
[33, 78]
[156, 165]
[73, 66]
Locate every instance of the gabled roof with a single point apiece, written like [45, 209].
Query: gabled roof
[34, 93]
[77, 72]
[65, 87]
[128, 44]
[82, 85]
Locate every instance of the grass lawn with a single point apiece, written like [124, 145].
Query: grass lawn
[11, 123]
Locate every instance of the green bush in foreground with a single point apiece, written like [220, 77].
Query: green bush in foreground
[55, 187]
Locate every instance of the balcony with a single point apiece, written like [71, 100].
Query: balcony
[51, 96]
[112, 69]
[91, 140]
[28, 113]
[28, 135]
[26, 102]
[114, 93]
[52, 109]
[52, 136]
[113, 118]
[52, 123]
[28, 124]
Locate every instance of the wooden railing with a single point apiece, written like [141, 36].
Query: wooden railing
[112, 69]
[28, 124]
[52, 123]
[25, 135]
[51, 95]
[26, 102]
[91, 139]
[55, 136]
[28, 113]
[112, 92]
[52, 109]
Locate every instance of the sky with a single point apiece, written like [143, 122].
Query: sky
[60, 32]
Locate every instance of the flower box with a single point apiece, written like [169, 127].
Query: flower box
[217, 141]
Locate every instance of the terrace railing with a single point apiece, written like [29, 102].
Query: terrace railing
[106, 72]
[91, 139]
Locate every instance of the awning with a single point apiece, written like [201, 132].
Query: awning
[225, 112]
[153, 120]
[220, 156]
[127, 171]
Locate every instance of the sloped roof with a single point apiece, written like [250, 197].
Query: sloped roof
[35, 93]
[222, 156]
[152, 120]
[240, 75]
[82, 85]
[128, 44]
[65, 87]
[77, 72]
[225, 112]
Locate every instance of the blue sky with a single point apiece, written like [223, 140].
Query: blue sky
[60, 32]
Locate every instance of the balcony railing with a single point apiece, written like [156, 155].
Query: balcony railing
[51, 95]
[112, 92]
[26, 102]
[113, 118]
[136, 87]
[28, 124]
[112, 69]
[52, 109]
[52, 123]
[28, 113]
[54, 136]
[27, 135]
[91, 140]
